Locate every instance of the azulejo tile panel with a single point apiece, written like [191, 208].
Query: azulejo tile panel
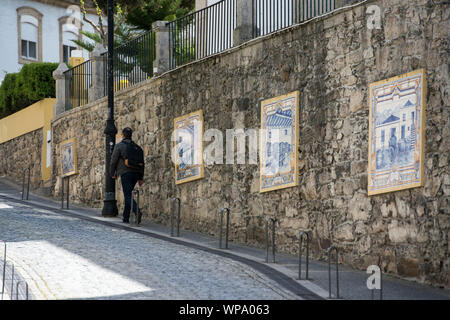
[396, 133]
[279, 142]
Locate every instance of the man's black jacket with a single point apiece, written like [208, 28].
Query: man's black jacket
[118, 167]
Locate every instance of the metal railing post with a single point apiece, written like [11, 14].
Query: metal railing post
[136, 214]
[138, 207]
[62, 192]
[381, 285]
[178, 217]
[227, 232]
[227, 227]
[17, 289]
[308, 240]
[172, 217]
[330, 249]
[12, 280]
[274, 220]
[220, 228]
[28, 182]
[67, 194]
[23, 183]
[4, 269]
[267, 239]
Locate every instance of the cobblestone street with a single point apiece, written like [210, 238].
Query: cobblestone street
[62, 257]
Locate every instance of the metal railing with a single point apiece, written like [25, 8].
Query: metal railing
[133, 62]
[13, 276]
[78, 83]
[202, 33]
[195, 36]
[272, 15]
[211, 30]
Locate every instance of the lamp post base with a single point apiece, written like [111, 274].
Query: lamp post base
[110, 208]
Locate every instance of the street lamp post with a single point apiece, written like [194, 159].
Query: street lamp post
[109, 199]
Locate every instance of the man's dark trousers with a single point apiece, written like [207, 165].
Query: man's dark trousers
[129, 180]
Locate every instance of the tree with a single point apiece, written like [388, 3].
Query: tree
[143, 16]
[101, 31]
[130, 18]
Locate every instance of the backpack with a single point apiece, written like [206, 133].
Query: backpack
[134, 155]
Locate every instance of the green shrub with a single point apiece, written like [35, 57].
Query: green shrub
[7, 94]
[34, 82]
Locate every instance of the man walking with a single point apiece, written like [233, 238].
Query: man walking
[127, 161]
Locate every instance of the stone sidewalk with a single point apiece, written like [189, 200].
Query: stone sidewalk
[284, 272]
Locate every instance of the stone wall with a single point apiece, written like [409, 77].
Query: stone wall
[331, 61]
[86, 125]
[22, 152]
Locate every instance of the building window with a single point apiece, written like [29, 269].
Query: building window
[67, 50]
[382, 137]
[29, 27]
[29, 50]
[69, 30]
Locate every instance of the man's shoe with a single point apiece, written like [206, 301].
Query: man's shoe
[126, 221]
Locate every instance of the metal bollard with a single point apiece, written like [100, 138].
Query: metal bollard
[273, 239]
[12, 280]
[137, 218]
[28, 183]
[220, 228]
[17, 289]
[267, 239]
[308, 240]
[62, 192]
[172, 217]
[4, 269]
[381, 286]
[227, 228]
[329, 271]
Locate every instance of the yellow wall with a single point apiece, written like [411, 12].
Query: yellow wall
[38, 115]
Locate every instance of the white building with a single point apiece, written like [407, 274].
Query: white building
[39, 31]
